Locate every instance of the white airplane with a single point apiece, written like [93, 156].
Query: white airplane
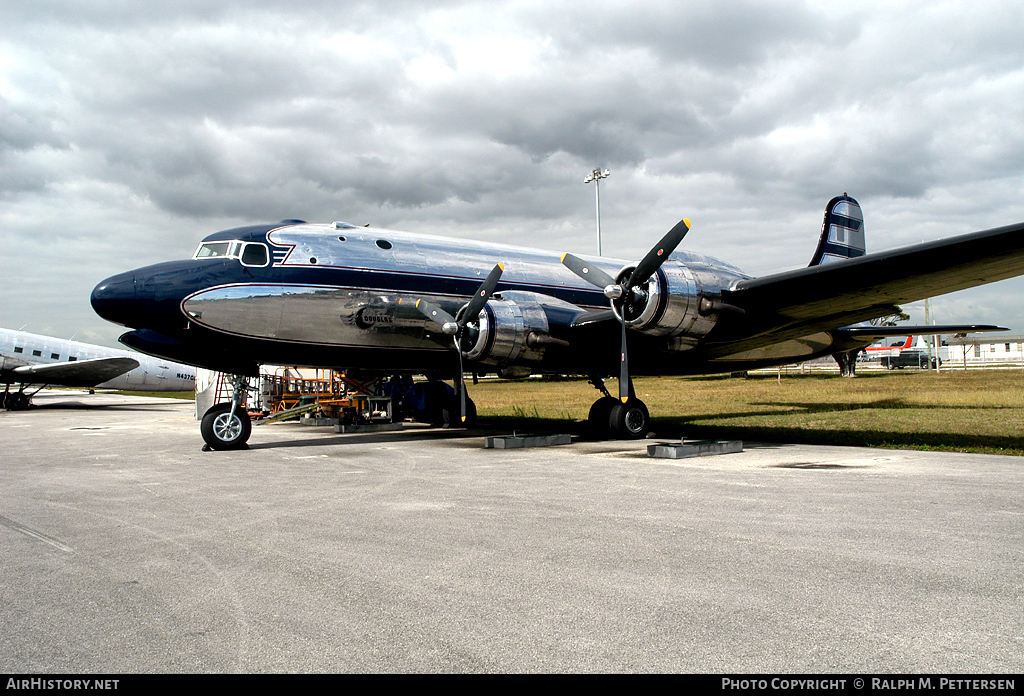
[30, 359]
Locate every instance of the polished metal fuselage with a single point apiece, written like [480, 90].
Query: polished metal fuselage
[335, 295]
[360, 286]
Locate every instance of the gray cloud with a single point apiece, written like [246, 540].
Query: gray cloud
[129, 130]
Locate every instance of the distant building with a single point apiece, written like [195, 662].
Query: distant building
[984, 348]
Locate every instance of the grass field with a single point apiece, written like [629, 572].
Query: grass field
[977, 411]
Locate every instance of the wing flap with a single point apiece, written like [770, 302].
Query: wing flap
[80, 373]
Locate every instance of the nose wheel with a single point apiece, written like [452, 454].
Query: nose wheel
[224, 428]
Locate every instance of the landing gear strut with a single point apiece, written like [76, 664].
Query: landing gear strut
[17, 401]
[847, 362]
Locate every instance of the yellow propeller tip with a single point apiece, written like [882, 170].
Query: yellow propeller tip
[687, 221]
[501, 266]
[418, 302]
[623, 399]
[563, 256]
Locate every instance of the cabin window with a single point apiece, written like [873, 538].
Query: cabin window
[341, 239]
[37, 353]
[55, 356]
[72, 358]
[384, 244]
[18, 349]
[312, 260]
[254, 254]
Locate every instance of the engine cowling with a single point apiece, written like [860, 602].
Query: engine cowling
[673, 303]
[509, 331]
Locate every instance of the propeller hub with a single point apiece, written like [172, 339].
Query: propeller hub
[613, 292]
[450, 328]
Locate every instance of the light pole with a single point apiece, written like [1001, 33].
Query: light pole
[596, 177]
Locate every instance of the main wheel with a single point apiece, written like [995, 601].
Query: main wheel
[17, 401]
[451, 413]
[630, 420]
[223, 430]
[597, 421]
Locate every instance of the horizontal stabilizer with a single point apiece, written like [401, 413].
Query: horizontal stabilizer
[935, 329]
[80, 373]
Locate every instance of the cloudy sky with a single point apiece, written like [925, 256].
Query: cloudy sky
[130, 130]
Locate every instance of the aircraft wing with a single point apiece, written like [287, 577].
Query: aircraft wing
[819, 298]
[81, 373]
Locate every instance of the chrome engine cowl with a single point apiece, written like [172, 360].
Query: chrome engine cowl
[508, 332]
[670, 303]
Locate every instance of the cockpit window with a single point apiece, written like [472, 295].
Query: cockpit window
[254, 254]
[209, 250]
[249, 253]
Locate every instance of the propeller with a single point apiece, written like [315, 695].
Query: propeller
[456, 328]
[628, 288]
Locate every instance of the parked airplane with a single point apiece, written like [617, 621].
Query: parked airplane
[387, 302]
[30, 359]
[894, 349]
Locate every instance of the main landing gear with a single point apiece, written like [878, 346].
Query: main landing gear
[622, 420]
[16, 401]
[436, 403]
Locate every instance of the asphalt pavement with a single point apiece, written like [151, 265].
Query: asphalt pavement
[126, 549]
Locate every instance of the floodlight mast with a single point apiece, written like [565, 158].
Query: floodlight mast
[596, 177]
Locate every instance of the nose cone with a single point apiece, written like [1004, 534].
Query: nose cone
[114, 298]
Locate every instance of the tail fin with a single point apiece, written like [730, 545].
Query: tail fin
[842, 232]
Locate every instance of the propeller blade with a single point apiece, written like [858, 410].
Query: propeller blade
[624, 369]
[594, 276]
[460, 384]
[657, 256]
[434, 313]
[483, 293]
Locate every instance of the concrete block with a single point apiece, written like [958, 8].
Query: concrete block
[517, 441]
[694, 448]
[367, 427]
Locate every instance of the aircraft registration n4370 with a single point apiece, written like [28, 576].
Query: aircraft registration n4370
[386, 302]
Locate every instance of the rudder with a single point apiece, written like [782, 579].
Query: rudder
[842, 232]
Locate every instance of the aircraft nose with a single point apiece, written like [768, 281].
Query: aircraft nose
[114, 298]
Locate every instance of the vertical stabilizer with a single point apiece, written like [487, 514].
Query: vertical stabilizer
[842, 232]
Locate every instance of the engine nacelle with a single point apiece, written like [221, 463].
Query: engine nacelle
[510, 331]
[675, 303]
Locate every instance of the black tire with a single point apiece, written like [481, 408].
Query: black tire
[17, 401]
[435, 397]
[223, 431]
[598, 419]
[630, 420]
